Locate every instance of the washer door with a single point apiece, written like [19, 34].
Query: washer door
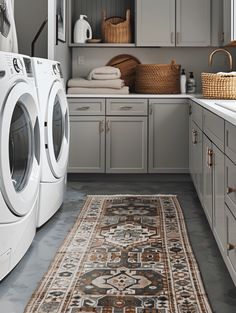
[57, 130]
[20, 149]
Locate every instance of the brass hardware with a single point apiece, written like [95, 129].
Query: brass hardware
[209, 157]
[101, 126]
[177, 37]
[126, 108]
[225, 51]
[230, 190]
[190, 110]
[83, 108]
[150, 109]
[194, 136]
[172, 37]
[230, 246]
[108, 126]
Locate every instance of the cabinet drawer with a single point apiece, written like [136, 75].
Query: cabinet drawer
[230, 142]
[196, 113]
[230, 185]
[86, 106]
[231, 241]
[213, 127]
[126, 106]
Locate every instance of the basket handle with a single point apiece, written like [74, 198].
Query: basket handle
[103, 15]
[128, 15]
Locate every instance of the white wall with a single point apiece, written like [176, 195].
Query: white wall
[191, 59]
[29, 15]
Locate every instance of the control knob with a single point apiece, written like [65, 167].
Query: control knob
[18, 66]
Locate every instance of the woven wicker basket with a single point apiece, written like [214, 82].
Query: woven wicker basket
[158, 78]
[216, 86]
[116, 29]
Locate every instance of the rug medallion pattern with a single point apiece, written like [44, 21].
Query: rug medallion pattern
[125, 254]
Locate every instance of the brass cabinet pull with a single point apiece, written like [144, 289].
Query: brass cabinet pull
[190, 110]
[83, 108]
[231, 246]
[101, 126]
[230, 190]
[194, 136]
[209, 157]
[108, 126]
[126, 107]
[172, 37]
[177, 37]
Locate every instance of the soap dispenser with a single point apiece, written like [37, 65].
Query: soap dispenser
[82, 30]
[183, 81]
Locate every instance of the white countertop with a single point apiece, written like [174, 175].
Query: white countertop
[210, 105]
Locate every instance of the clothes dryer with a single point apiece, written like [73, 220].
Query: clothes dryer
[55, 148]
[19, 158]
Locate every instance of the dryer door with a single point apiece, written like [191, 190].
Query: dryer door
[57, 130]
[20, 149]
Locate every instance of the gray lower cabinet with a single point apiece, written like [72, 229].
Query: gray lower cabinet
[230, 255]
[126, 144]
[195, 157]
[168, 136]
[87, 144]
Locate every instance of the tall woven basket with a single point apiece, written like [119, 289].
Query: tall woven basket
[216, 86]
[158, 78]
[116, 29]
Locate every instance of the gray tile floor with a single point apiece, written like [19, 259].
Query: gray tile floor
[17, 287]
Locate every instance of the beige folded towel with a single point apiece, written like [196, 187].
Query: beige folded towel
[77, 90]
[104, 72]
[82, 82]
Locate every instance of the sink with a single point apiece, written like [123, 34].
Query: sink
[229, 105]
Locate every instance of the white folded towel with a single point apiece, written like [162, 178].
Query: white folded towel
[104, 73]
[85, 83]
[77, 90]
[227, 73]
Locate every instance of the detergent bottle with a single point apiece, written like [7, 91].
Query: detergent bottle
[82, 30]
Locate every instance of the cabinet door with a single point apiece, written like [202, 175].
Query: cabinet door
[126, 144]
[168, 136]
[87, 144]
[193, 22]
[208, 178]
[218, 203]
[155, 23]
[195, 157]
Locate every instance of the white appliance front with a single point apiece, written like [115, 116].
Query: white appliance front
[55, 149]
[19, 159]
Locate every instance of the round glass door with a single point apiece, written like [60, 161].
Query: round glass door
[20, 146]
[57, 130]
[57, 127]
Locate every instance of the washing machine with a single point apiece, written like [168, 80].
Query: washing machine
[20, 155]
[55, 148]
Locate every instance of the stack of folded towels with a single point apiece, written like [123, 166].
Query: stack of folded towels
[101, 80]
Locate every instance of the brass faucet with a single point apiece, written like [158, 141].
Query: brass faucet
[223, 50]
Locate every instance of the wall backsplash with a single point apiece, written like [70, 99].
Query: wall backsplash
[191, 59]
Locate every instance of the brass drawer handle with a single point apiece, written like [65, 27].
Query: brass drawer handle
[209, 157]
[101, 126]
[83, 108]
[125, 107]
[108, 126]
[194, 136]
[231, 246]
[230, 190]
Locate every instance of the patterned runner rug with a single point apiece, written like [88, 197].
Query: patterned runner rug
[125, 254]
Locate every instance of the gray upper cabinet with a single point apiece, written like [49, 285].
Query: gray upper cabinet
[126, 144]
[193, 23]
[168, 136]
[155, 23]
[173, 22]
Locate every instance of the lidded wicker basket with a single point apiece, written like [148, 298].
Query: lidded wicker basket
[158, 78]
[217, 86]
[116, 29]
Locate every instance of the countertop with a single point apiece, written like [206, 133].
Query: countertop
[210, 105]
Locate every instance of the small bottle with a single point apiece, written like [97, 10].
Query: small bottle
[183, 81]
[191, 83]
